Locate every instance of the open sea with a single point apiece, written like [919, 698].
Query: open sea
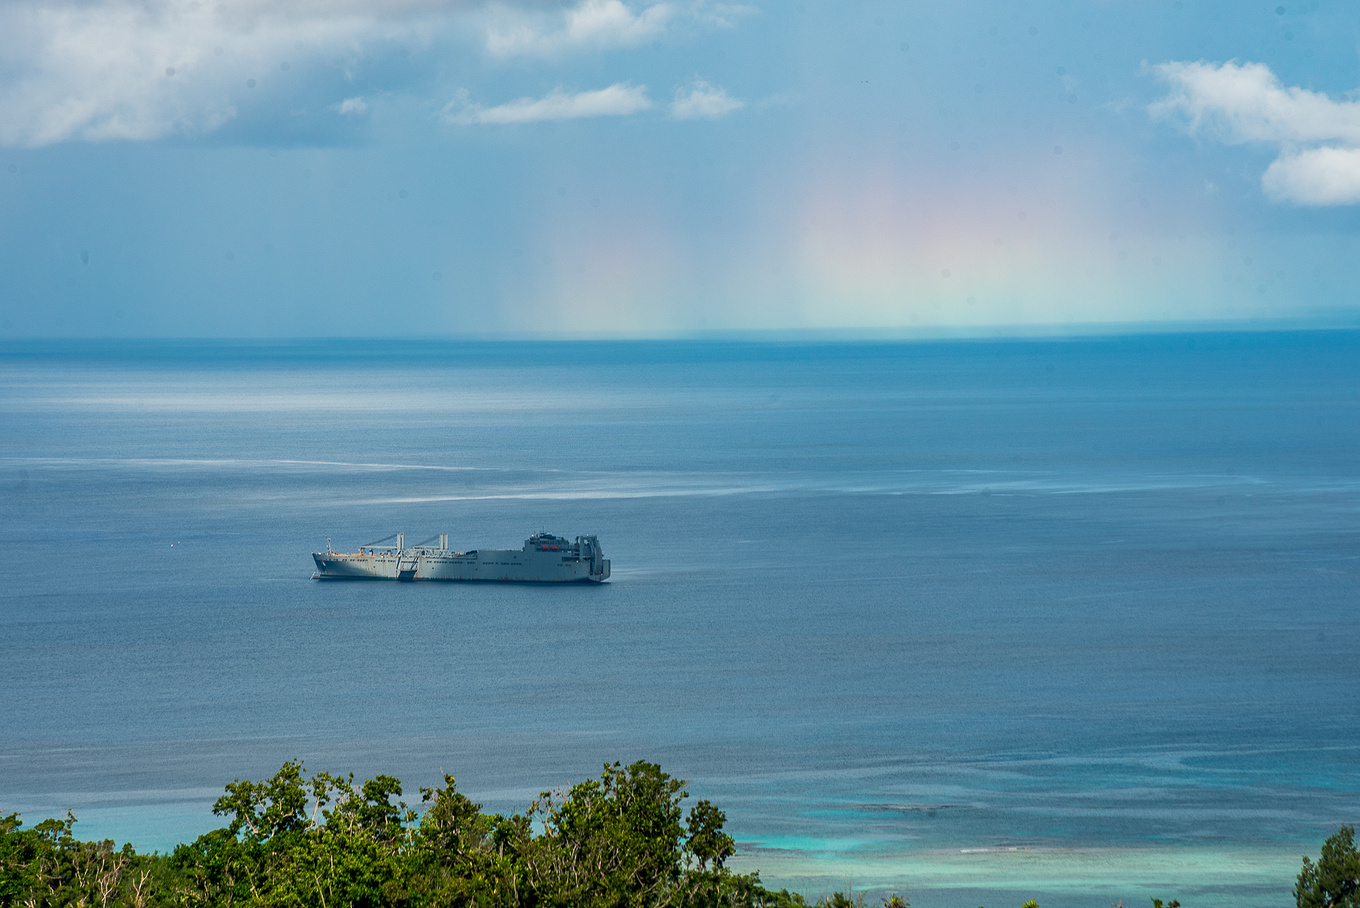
[976, 622]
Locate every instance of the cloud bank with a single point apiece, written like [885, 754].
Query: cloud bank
[142, 70]
[138, 70]
[1245, 103]
[619, 99]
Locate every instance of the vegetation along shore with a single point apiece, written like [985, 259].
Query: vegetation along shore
[620, 841]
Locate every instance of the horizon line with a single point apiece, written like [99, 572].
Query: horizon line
[850, 335]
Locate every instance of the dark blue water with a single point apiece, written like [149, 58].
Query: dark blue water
[976, 621]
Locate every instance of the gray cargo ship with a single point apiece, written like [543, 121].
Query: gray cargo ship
[545, 558]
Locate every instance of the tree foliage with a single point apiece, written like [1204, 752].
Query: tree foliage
[1334, 881]
[619, 841]
[48, 866]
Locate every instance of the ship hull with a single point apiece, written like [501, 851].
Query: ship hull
[580, 563]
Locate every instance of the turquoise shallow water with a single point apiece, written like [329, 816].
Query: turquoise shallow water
[980, 622]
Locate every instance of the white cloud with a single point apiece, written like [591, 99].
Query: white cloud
[592, 24]
[1320, 176]
[702, 101]
[1245, 103]
[617, 100]
[352, 106]
[99, 72]
[141, 70]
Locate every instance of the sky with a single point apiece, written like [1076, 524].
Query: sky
[653, 168]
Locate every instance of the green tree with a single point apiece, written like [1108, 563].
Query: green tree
[216, 869]
[706, 842]
[1334, 881]
[243, 863]
[463, 857]
[354, 853]
[20, 853]
[266, 809]
[293, 841]
[610, 842]
[48, 866]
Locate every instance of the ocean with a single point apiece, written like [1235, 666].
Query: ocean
[973, 621]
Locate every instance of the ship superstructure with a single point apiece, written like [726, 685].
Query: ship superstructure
[545, 558]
